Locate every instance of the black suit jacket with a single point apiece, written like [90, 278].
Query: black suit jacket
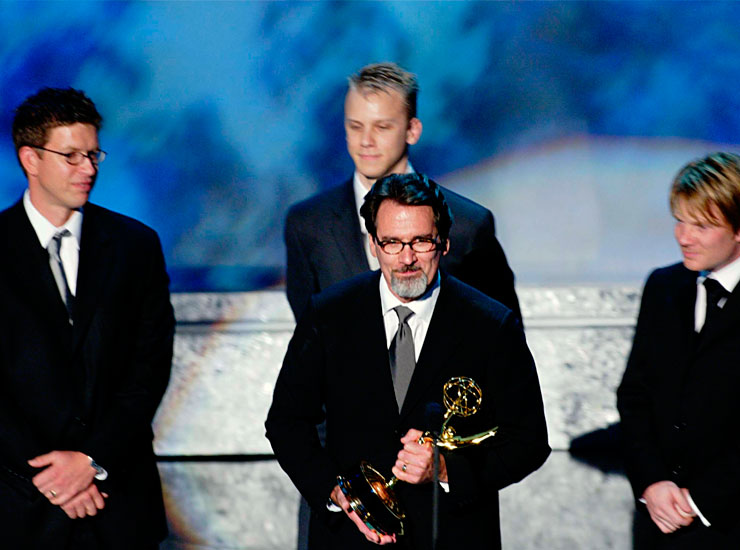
[679, 398]
[91, 387]
[342, 367]
[324, 246]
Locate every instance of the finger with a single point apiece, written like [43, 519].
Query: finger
[62, 499]
[412, 436]
[666, 526]
[42, 460]
[90, 507]
[663, 526]
[80, 509]
[404, 464]
[98, 499]
[70, 511]
[372, 536]
[44, 479]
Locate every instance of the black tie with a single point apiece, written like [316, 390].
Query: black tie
[57, 268]
[715, 293]
[402, 355]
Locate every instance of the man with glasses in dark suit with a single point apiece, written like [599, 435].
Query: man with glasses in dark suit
[371, 355]
[86, 334]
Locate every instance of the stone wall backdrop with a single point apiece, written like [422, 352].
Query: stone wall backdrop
[224, 490]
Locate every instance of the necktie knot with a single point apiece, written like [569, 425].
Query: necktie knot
[56, 242]
[403, 313]
[715, 292]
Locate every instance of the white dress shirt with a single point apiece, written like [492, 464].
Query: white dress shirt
[45, 231]
[423, 308]
[727, 276]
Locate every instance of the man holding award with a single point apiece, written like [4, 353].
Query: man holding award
[382, 357]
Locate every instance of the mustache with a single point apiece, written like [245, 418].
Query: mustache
[408, 269]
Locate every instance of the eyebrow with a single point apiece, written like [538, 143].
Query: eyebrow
[427, 236]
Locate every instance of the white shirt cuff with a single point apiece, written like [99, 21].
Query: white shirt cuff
[695, 508]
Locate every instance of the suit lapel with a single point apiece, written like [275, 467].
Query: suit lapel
[348, 238]
[725, 320]
[370, 328]
[680, 322]
[96, 260]
[442, 340]
[29, 262]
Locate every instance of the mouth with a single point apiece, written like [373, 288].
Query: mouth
[83, 186]
[368, 157]
[407, 271]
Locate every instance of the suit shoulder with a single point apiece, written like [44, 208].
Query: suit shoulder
[337, 296]
[670, 274]
[318, 204]
[115, 221]
[7, 215]
[463, 206]
[476, 304]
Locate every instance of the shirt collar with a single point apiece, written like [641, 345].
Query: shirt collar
[423, 307]
[728, 276]
[45, 230]
[360, 192]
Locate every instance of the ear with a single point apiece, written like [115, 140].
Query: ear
[447, 247]
[373, 250]
[413, 132]
[29, 159]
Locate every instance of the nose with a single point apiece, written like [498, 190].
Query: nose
[87, 166]
[368, 139]
[683, 233]
[407, 256]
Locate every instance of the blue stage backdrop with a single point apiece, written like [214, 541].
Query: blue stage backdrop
[568, 120]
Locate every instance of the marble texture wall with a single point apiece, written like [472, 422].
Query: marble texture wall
[223, 489]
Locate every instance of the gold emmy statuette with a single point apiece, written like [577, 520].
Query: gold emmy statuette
[372, 498]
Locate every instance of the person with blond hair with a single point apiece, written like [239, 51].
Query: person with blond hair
[678, 398]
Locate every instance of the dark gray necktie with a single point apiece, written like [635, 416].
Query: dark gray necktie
[402, 355]
[57, 268]
[715, 293]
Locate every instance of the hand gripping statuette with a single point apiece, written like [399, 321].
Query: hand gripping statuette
[373, 499]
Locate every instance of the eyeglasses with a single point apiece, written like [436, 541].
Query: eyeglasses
[420, 244]
[76, 157]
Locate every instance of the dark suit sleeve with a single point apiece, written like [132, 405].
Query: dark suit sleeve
[716, 488]
[520, 446]
[297, 407]
[300, 279]
[643, 463]
[485, 266]
[124, 430]
[658, 392]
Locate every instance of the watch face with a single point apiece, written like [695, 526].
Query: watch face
[101, 474]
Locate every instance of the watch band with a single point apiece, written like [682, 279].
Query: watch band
[101, 474]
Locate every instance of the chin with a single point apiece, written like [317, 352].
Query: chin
[693, 265]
